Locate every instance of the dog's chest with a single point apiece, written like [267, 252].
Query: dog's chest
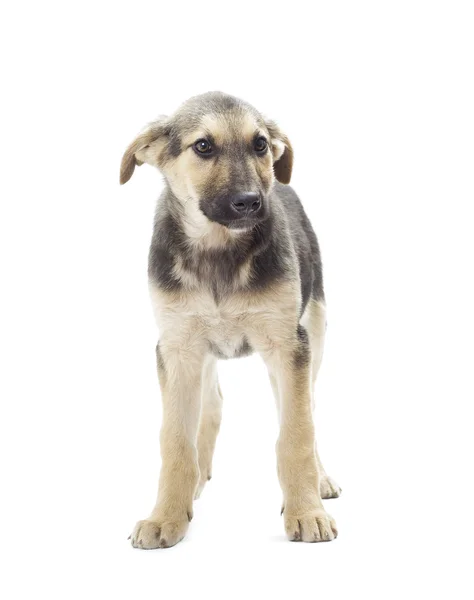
[230, 327]
[223, 327]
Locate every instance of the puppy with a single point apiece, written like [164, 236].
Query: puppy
[234, 268]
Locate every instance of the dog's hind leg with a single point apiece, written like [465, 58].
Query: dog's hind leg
[211, 414]
[314, 320]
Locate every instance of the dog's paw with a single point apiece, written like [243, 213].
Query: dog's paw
[155, 534]
[329, 488]
[316, 526]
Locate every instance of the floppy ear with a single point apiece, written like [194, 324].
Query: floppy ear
[282, 153]
[136, 153]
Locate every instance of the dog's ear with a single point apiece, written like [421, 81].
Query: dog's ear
[282, 152]
[146, 147]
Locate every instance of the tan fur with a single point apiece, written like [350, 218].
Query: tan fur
[146, 147]
[191, 322]
[188, 174]
[298, 464]
[211, 414]
[314, 320]
[188, 322]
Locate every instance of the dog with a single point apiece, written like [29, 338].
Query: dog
[234, 268]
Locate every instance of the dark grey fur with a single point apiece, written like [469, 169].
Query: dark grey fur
[302, 354]
[270, 244]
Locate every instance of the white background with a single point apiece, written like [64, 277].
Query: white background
[377, 98]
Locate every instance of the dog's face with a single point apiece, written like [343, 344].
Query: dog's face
[219, 156]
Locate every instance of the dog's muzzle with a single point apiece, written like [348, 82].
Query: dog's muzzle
[237, 210]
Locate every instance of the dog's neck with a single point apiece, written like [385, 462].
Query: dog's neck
[190, 254]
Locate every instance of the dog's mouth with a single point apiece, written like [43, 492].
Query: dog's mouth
[244, 224]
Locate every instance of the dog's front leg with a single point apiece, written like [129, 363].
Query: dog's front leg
[304, 514]
[179, 371]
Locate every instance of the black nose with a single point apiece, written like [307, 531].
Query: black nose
[246, 203]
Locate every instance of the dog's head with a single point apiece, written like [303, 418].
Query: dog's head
[219, 157]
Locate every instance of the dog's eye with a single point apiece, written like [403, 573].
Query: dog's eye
[203, 147]
[260, 145]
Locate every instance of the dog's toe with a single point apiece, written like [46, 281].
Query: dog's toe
[313, 527]
[329, 488]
